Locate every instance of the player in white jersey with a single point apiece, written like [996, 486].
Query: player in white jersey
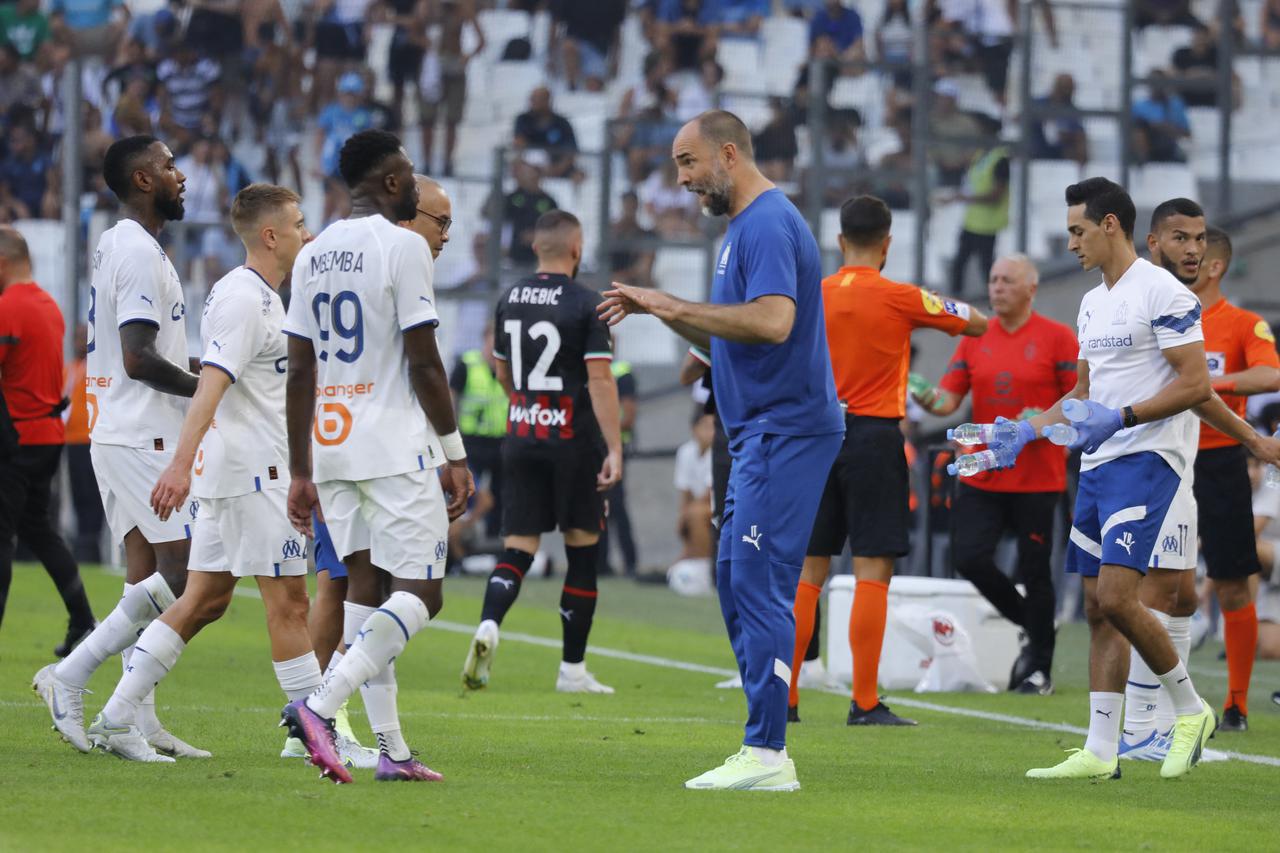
[433, 216]
[137, 385]
[362, 340]
[1176, 241]
[240, 475]
[1141, 371]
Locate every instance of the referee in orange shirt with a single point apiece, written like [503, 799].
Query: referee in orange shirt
[1241, 350]
[31, 331]
[869, 324]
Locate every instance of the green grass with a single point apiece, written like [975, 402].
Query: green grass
[529, 769]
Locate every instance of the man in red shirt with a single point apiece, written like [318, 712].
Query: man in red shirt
[1024, 364]
[31, 333]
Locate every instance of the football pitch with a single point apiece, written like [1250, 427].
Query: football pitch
[529, 769]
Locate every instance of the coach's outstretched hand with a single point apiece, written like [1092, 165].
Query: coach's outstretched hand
[1093, 431]
[458, 485]
[303, 501]
[170, 491]
[625, 299]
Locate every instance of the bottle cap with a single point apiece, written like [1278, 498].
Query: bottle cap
[951, 469]
[951, 433]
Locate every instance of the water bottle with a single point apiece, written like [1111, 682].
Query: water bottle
[1061, 434]
[1272, 477]
[1075, 410]
[968, 435]
[974, 463]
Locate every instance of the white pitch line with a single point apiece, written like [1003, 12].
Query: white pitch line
[669, 663]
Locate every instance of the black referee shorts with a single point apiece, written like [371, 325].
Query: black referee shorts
[1224, 498]
[867, 494]
[544, 488]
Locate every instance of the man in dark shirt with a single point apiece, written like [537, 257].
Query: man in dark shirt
[591, 30]
[544, 129]
[563, 448]
[31, 331]
[521, 210]
[26, 170]
[1196, 67]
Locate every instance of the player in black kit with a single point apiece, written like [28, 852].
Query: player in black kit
[563, 448]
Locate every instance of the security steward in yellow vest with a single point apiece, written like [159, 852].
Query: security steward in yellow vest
[986, 214]
[482, 419]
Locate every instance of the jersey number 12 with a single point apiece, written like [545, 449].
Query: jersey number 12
[538, 378]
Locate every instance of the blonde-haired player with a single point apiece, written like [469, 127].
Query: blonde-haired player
[238, 468]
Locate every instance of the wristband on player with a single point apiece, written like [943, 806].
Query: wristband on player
[454, 449]
[1128, 418]
[1225, 386]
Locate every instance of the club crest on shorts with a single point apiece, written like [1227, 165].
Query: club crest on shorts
[292, 549]
[442, 549]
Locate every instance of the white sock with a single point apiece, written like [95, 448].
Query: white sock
[379, 694]
[1141, 693]
[298, 677]
[1179, 628]
[1104, 724]
[379, 641]
[147, 721]
[156, 652]
[769, 757]
[140, 604]
[1185, 698]
[353, 619]
[334, 660]
[574, 670]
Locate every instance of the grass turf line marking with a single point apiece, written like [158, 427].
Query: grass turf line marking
[668, 663]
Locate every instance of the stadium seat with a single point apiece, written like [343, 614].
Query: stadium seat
[682, 271]
[740, 59]
[500, 26]
[786, 47]
[643, 339]
[510, 84]
[1155, 182]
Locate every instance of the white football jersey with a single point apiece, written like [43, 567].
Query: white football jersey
[242, 334]
[356, 288]
[133, 282]
[1122, 331]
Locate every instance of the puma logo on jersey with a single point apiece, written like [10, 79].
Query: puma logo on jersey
[1126, 542]
[424, 299]
[506, 582]
[754, 539]
[147, 299]
[216, 344]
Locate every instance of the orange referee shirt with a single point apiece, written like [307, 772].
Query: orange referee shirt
[1234, 340]
[869, 324]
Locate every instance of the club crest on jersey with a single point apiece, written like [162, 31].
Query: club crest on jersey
[1122, 314]
[724, 259]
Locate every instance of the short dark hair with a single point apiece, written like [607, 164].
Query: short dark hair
[553, 220]
[720, 127]
[121, 159]
[1174, 207]
[1218, 243]
[1101, 197]
[364, 152]
[865, 221]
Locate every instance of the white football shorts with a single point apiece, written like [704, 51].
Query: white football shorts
[126, 476]
[401, 520]
[1178, 545]
[248, 536]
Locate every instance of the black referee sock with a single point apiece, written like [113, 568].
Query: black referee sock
[504, 584]
[815, 651]
[578, 600]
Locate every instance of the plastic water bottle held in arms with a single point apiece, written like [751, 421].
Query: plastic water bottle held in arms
[1060, 434]
[1272, 476]
[1075, 410]
[975, 463]
[968, 435]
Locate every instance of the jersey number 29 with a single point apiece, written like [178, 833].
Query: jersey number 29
[538, 378]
